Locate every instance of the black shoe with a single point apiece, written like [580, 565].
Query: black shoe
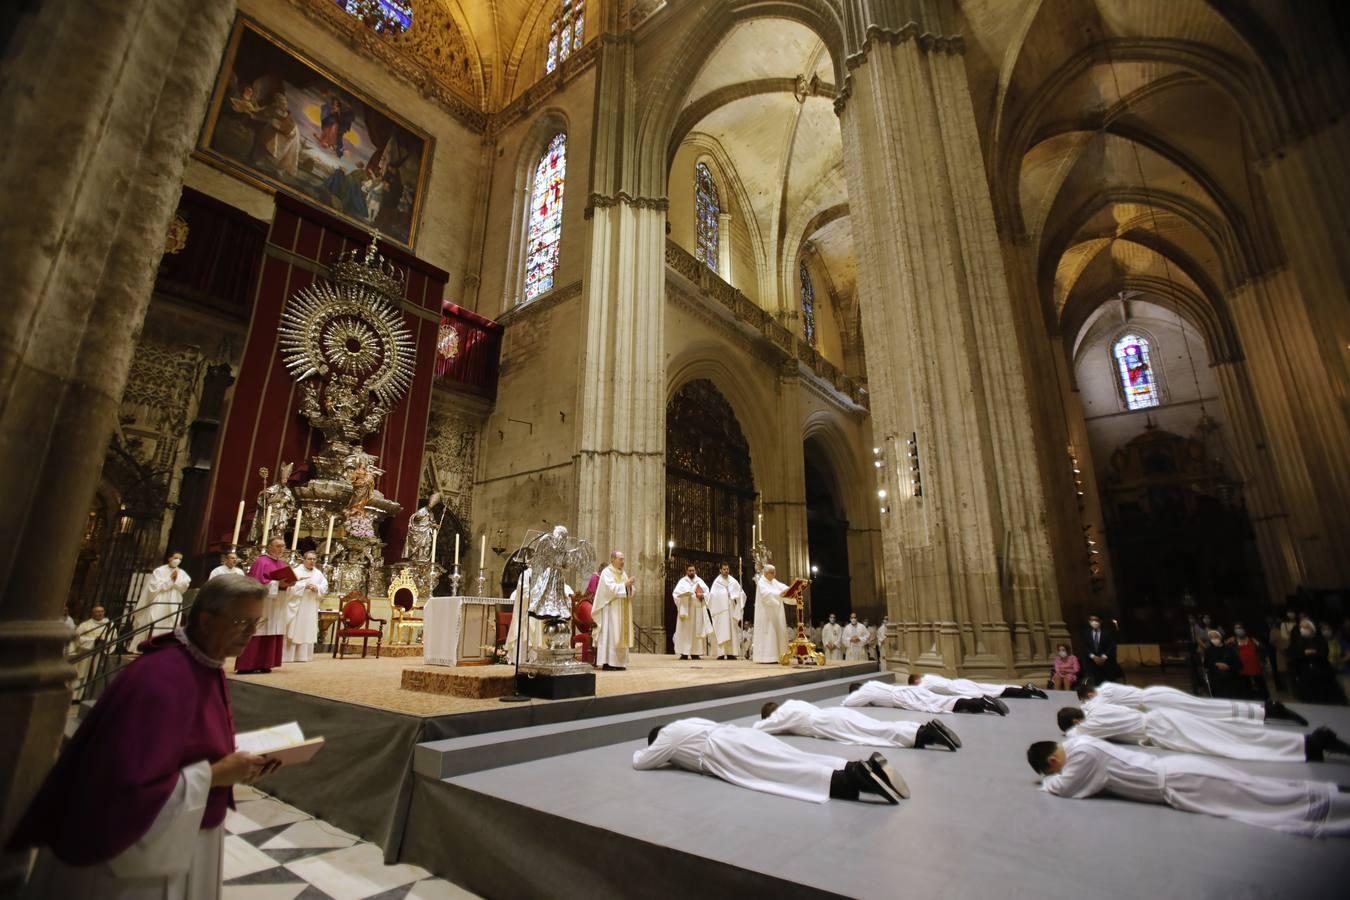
[933, 733]
[1035, 691]
[948, 736]
[1277, 710]
[882, 767]
[993, 704]
[608, 668]
[682, 656]
[697, 657]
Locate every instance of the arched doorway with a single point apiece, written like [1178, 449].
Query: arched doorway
[710, 491]
[826, 538]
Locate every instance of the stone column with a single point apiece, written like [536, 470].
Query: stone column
[974, 548]
[724, 246]
[621, 476]
[108, 97]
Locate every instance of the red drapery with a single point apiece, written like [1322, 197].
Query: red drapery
[263, 426]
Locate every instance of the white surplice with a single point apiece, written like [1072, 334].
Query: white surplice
[1162, 697]
[613, 614]
[534, 627]
[225, 570]
[901, 696]
[742, 756]
[1199, 785]
[1172, 729]
[962, 687]
[302, 630]
[691, 616]
[771, 631]
[88, 633]
[832, 637]
[882, 635]
[855, 641]
[174, 860]
[837, 723]
[163, 596]
[726, 604]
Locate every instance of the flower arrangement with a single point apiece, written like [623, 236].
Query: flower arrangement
[496, 653]
[359, 524]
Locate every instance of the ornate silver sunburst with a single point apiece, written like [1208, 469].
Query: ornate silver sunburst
[351, 329]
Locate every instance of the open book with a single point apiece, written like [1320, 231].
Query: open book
[285, 743]
[796, 588]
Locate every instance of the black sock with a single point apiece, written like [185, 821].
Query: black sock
[923, 737]
[1017, 693]
[842, 787]
[969, 705]
[1312, 749]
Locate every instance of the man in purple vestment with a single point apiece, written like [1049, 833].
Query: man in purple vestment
[136, 800]
[265, 649]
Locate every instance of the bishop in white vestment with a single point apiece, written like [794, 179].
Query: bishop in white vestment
[613, 612]
[302, 631]
[832, 637]
[1084, 766]
[726, 603]
[855, 639]
[771, 631]
[850, 726]
[163, 596]
[691, 614]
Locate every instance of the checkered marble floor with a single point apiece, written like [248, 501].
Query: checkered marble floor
[274, 851]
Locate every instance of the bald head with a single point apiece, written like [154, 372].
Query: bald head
[616, 559]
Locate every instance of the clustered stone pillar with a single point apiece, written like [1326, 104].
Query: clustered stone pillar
[103, 100]
[969, 559]
[621, 465]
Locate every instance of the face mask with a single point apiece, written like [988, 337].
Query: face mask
[1063, 653]
[1095, 625]
[1306, 632]
[174, 563]
[1216, 642]
[1240, 632]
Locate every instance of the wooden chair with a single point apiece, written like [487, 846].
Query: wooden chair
[583, 623]
[354, 622]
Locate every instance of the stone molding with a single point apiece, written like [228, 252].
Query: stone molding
[538, 305]
[926, 41]
[602, 201]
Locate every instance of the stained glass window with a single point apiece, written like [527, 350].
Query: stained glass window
[808, 306]
[383, 16]
[565, 32]
[708, 207]
[545, 230]
[1135, 368]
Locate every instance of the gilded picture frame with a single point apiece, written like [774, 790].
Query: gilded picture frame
[282, 121]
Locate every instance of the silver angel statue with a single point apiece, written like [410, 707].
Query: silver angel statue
[549, 556]
[279, 500]
[421, 527]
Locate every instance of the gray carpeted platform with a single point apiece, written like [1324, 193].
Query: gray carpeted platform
[976, 826]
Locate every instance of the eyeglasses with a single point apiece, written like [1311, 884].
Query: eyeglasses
[248, 624]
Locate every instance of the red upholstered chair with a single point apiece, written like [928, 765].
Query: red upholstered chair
[583, 623]
[355, 622]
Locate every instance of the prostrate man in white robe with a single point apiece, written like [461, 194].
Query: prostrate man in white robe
[849, 726]
[163, 596]
[691, 614]
[1084, 766]
[832, 638]
[1171, 729]
[761, 762]
[918, 699]
[229, 565]
[855, 639]
[303, 629]
[771, 631]
[1162, 697]
[613, 613]
[964, 687]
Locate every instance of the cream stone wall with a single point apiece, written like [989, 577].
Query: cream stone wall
[445, 233]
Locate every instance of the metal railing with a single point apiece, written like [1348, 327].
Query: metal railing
[110, 655]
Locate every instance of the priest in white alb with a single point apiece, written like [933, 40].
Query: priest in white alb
[163, 597]
[855, 639]
[1160, 696]
[771, 631]
[832, 638]
[612, 609]
[964, 687]
[691, 614]
[229, 565]
[1085, 766]
[918, 699]
[761, 762]
[1171, 729]
[533, 627]
[302, 631]
[88, 634]
[846, 725]
[726, 604]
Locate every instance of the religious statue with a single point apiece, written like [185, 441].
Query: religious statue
[278, 500]
[361, 472]
[421, 527]
[550, 555]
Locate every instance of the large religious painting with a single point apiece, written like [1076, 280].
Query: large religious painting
[279, 119]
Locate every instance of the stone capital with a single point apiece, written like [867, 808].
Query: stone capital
[604, 201]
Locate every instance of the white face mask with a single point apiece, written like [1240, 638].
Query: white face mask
[1063, 653]
[1095, 625]
[173, 563]
[1215, 641]
[1306, 632]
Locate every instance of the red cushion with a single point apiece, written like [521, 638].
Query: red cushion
[581, 614]
[354, 614]
[359, 632]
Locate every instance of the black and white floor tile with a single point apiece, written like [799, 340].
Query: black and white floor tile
[274, 851]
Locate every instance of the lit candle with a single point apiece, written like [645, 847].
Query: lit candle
[482, 552]
[456, 559]
[238, 522]
[267, 527]
[328, 544]
[295, 538]
[435, 533]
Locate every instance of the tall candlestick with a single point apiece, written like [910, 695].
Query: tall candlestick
[267, 528]
[238, 522]
[456, 559]
[328, 544]
[482, 552]
[295, 538]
